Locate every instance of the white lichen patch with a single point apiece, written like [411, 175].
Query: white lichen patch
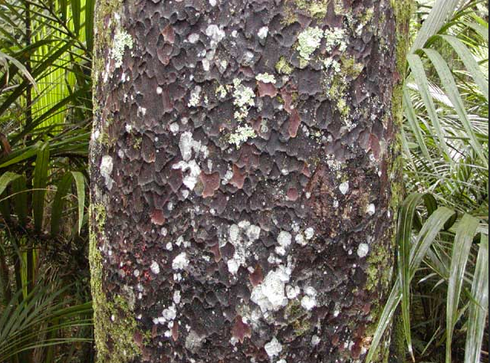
[292, 291]
[180, 262]
[233, 266]
[269, 295]
[241, 236]
[234, 233]
[263, 32]
[195, 98]
[309, 233]
[122, 40]
[177, 297]
[155, 268]
[243, 99]
[170, 313]
[284, 240]
[333, 163]
[95, 135]
[174, 127]
[315, 340]
[187, 144]
[300, 239]
[308, 302]
[106, 166]
[141, 112]
[273, 348]
[193, 38]
[191, 171]
[241, 135]
[266, 78]
[193, 341]
[363, 250]
[215, 33]
[309, 41]
[344, 187]
[253, 232]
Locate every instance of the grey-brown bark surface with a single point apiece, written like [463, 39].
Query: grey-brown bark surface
[242, 163]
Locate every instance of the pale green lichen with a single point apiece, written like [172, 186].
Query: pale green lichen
[316, 8]
[351, 68]
[335, 38]
[308, 41]
[339, 7]
[221, 91]
[311, 38]
[283, 67]
[331, 63]
[241, 135]
[195, 98]
[297, 317]
[339, 75]
[103, 37]
[342, 107]
[243, 99]
[122, 40]
[266, 78]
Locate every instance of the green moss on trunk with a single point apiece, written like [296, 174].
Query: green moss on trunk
[114, 323]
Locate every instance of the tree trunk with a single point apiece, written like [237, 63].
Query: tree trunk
[244, 175]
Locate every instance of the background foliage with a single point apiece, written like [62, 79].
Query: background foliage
[45, 112]
[440, 296]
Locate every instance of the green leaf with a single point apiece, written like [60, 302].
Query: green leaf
[385, 320]
[478, 310]
[414, 125]
[20, 66]
[465, 231]
[27, 325]
[7, 178]
[431, 228]
[470, 63]
[76, 13]
[63, 4]
[58, 203]
[481, 30]
[439, 14]
[404, 233]
[39, 185]
[25, 155]
[80, 184]
[452, 92]
[422, 82]
[40, 69]
[89, 24]
[19, 190]
[410, 256]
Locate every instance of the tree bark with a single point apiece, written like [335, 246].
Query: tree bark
[244, 172]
